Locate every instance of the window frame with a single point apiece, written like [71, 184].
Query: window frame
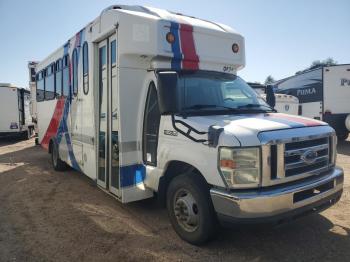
[151, 86]
[75, 78]
[50, 68]
[85, 71]
[66, 64]
[60, 63]
[40, 76]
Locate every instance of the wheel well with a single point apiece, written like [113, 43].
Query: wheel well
[174, 169]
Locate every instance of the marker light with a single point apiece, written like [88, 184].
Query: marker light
[170, 37]
[235, 48]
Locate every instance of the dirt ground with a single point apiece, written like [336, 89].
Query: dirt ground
[51, 216]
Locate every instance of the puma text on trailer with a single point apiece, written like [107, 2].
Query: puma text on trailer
[148, 102]
[324, 94]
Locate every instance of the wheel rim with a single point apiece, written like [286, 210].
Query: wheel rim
[186, 210]
[54, 156]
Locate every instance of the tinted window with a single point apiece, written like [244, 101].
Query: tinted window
[113, 52]
[50, 83]
[65, 76]
[40, 86]
[85, 59]
[75, 71]
[58, 77]
[151, 127]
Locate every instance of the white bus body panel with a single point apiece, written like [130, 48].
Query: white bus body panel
[141, 47]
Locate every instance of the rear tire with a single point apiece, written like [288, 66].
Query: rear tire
[190, 209]
[56, 161]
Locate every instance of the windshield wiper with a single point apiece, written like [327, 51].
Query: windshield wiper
[202, 106]
[256, 106]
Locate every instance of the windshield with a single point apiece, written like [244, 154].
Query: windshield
[211, 91]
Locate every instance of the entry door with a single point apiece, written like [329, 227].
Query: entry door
[108, 172]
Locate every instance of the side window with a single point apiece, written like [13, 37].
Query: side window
[40, 86]
[58, 77]
[50, 82]
[151, 127]
[85, 68]
[75, 71]
[65, 76]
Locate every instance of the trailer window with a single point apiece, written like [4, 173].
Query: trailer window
[50, 82]
[151, 127]
[85, 68]
[58, 77]
[65, 76]
[113, 53]
[40, 86]
[75, 71]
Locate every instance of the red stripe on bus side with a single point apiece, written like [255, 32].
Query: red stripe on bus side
[191, 59]
[54, 123]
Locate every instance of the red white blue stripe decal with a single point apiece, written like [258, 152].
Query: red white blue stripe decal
[292, 121]
[184, 49]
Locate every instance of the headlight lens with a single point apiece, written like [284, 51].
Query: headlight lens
[240, 167]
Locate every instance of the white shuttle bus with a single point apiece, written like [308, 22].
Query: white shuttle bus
[15, 117]
[147, 103]
[324, 94]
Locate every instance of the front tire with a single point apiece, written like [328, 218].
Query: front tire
[56, 161]
[190, 209]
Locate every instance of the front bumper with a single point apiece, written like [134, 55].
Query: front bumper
[279, 202]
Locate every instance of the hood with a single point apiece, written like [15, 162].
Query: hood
[246, 127]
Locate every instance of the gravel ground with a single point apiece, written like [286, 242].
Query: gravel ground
[51, 216]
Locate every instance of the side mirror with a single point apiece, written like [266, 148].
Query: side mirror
[270, 96]
[167, 92]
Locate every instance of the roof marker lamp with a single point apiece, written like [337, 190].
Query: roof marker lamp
[240, 167]
[235, 48]
[170, 38]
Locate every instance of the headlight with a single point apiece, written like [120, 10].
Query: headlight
[240, 167]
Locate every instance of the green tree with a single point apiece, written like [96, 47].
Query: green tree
[269, 80]
[319, 63]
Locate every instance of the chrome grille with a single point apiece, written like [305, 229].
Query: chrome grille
[294, 152]
[282, 151]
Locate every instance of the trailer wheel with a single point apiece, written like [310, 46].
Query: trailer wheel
[342, 136]
[26, 135]
[190, 209]
[57, 163]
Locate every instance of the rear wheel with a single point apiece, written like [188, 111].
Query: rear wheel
[57, 163]
[190, 209]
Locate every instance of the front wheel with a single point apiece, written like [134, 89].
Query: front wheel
[190, 209]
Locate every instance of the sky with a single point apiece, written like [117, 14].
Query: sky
[281, 36]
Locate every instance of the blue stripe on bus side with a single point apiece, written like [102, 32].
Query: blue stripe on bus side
[175, 47]
[132, 175]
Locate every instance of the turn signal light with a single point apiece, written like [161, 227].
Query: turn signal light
[227, 163]
[235, 48]
[170, 37]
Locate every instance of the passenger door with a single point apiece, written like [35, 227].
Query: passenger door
[108, 142]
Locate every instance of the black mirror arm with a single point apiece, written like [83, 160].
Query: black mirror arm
[190, 129]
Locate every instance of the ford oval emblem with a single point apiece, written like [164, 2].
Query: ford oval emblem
[309, 157]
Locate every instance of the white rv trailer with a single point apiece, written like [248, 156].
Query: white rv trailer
[141, 102]
[15, 117]
[286, 104]
[32, 86]
[324, 94]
